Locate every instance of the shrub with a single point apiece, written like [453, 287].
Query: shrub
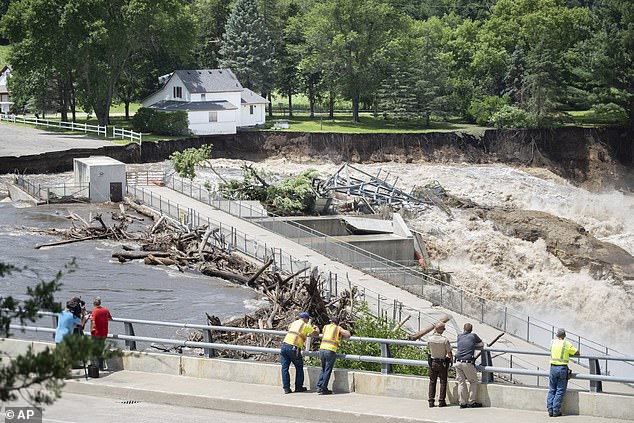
[482, 109]
[372, 327]
[511, 117]
[163, 123]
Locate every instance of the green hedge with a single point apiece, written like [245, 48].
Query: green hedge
[163, 123]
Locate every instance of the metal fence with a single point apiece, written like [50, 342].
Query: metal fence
[53, 193]
[129, 336]
[231, 238]
[411, 279]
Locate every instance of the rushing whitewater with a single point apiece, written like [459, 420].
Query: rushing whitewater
[521, 274]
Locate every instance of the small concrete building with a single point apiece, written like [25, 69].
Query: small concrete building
[105, 175]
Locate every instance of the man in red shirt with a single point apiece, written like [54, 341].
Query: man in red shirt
[99, 325]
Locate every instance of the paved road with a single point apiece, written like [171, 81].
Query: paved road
[18, 140]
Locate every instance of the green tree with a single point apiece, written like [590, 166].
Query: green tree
[39, 376]
[89, 42]
[212, 17]
[349, 34]
[246, 46]
[185, 161]
[611, 53]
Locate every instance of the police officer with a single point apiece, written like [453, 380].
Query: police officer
[560, 351]
[440, 358]
[330, 341]
[291, 352]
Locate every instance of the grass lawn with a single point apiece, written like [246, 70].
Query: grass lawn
[590, 118]
[369, 124]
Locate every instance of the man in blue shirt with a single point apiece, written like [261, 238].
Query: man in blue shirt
[66, 322]
[465, 367]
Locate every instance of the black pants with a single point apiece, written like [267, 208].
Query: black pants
[437, 370]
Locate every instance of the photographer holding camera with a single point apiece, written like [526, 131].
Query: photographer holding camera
[70, 320]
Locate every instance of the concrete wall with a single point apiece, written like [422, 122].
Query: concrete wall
[368, 383]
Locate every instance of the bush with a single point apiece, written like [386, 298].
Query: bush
[511, 117]
[372, 327]
[163, 123]
[482, 109]
[607, 113]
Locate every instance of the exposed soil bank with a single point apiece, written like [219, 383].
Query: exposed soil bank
[595, 158]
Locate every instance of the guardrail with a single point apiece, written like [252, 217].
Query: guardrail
[437, 291]
[49, 193]
[209, 347]
[231, 238]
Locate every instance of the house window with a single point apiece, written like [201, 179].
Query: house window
[178, 92]
[203, 97]
[251, 107]
[213, 116]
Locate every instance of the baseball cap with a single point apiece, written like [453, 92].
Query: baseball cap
[304, 315]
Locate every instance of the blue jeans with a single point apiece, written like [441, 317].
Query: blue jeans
[327, 363]
[557, 389]
[290, 354]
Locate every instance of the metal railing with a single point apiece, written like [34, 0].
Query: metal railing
[50, 193]
[231, 238]
[437, 291]
[144, 178]
[595, 377]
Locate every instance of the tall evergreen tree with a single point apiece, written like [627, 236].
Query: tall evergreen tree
[246, 47]
[611, 59]
[514, 79]
[212, 17]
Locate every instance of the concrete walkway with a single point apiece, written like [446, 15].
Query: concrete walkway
[430, 312]
[268, 400]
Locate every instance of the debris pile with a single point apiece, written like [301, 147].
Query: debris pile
[203, 249]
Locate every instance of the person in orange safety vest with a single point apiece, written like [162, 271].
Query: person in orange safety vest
[331, 339]
[291, 352]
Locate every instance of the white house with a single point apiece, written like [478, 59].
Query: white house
[214, 99]
[5, 104]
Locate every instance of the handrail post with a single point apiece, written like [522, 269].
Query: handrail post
[595, 369]
[486, 360]
[55, 319]
[209, 338]
[129, 330]
[386, 368]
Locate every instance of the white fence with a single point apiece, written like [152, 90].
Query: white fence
[99, 130]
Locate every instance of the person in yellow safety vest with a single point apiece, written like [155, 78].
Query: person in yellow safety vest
[330, 341]
[291, 352]
[560, 351]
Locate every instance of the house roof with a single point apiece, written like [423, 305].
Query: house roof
[192, 106]
[249, 97]
[209, 80]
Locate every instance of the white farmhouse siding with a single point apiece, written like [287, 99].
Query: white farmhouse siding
[214, 100]
[252, 109]
[5, 104]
